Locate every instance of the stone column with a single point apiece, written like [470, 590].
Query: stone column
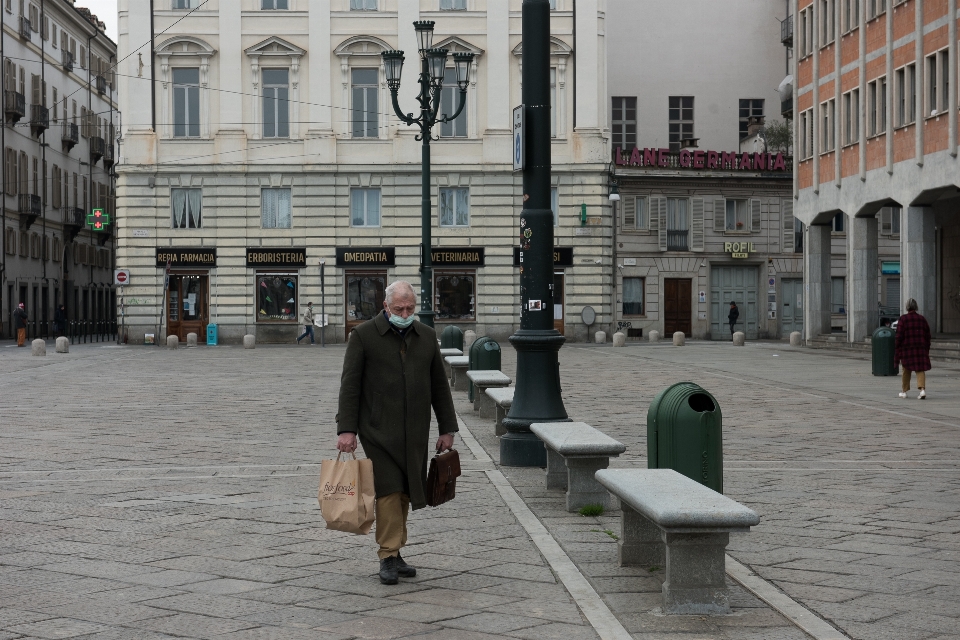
[318, 64]
[918, 262]
[862, 262]
[816, 255]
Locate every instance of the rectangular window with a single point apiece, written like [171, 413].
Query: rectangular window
[851, 117]
[875, 8]
[275, 209]
[185, 4]
[186, 103]
[274, 4]
[363, 5]
[803, 42]
[895, 220]
[851, 15]
[838, 295]
[906, 87]
[365, 207]
[56, 106]
[827, 22]
[737, 216]
[877, 106]
[453, 5]
[632, 297]
[806, 134]
[186, 206]
[938, 82]
[276, 103]
[797, 236]
[454, 207]
[624, 122]
[827, 114]
[749, 108]
[838, 223]
[277, 297]
[680, 120]
[553, 102]
[677, 224]
[449, 101]
[455, 294]
[365, 103]
[555, 205]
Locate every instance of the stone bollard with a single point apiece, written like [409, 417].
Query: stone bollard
[173, 342]
[600, 337]
[619, 339]
[469, 337]
[38, 348]
[191, 339]
[654, 336]
[796, 339]
[739, 338]
[63, 345]
[678, 339]
[249, 341]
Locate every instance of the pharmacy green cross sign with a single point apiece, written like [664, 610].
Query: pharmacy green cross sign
[98, 220]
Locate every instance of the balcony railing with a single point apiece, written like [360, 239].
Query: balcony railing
[786, 32]
[677, 240]
[26, 31]
[101, 85]
[786, 108]
[73, 221]
[108, 155]
[29, 209]
[39, 118]
[14, 105]
[70, 135]
[96, 148]
[67, 59]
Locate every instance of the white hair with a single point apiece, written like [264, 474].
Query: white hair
[401, 287]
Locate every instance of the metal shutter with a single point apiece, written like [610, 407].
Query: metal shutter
[696, 225]
[719, 214]
[786, 215]
[755, 215]
[629, 213]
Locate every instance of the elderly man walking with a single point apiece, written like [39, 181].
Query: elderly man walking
[912, 348]
[392, 375]
[20, 323]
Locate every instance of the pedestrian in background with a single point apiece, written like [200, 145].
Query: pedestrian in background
[307, 324]
[912, 349]
[20, 323]
[59, 320]
[392, 375]
[732, 316]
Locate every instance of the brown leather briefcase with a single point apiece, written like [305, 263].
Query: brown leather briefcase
[442, 477]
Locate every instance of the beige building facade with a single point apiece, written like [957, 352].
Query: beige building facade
[269, 145]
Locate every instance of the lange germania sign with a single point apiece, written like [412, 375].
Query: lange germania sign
[699, 159]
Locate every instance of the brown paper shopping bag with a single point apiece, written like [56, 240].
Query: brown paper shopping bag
[347, 494]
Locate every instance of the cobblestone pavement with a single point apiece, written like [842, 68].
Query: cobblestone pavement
[147, 493]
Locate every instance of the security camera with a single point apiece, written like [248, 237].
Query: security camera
[596, 262]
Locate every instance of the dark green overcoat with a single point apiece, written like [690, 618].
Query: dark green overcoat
[387, 388]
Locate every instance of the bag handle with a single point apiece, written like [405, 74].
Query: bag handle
[340, 453]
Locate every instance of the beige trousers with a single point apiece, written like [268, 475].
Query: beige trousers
[921, 380]
[21, 337]
[392, 523]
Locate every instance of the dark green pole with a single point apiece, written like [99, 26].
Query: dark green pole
[426, 238]
[537, 396]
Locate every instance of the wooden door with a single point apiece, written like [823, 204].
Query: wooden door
[366, 291]
[677, 305]
[188, 305]
[558, 302]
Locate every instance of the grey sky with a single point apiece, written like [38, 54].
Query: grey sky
[106, 10]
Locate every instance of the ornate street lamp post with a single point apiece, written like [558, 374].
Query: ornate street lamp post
[432, 65]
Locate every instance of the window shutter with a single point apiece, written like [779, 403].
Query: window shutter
[755, 215]
[696, 225]
[653, 214]
[719, 214]
[886, 221]
[629, 213]
[786, 215]
[35, 88]
[658, 207]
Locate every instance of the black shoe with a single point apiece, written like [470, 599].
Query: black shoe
[404, 570]
[388, 570]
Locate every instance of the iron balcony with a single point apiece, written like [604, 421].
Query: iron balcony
[73, 221]
[39, 118]
[69, 136]
[14, 105]
[101, 85]
[677, 240]
[26, 31]
[786, 32]
[29, 208]
[67, 59]
[96, 149]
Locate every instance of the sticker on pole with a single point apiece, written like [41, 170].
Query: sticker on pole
[121, 277]
[518, 151]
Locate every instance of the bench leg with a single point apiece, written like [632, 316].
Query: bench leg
[556, 470]
[478, 394]
[501, 414]
[696, 573]
[640, 542]
[460, 380]
[488, 408]
[446, 368]
[582, 487]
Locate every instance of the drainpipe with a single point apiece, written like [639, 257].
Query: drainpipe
[952, 66]
[153, 81]
[3, 150]
[43, 153]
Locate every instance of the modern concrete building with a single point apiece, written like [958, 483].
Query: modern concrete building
[705, 216]
[59, 118]
[268, 144]
[876, 136]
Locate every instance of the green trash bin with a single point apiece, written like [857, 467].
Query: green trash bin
[484, 356]
[451, 338]
[684, 433]
[883, 345]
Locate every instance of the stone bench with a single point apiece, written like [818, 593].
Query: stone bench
[672, 521]
[449, 352]
[575, 451]
[502, 399]
[458, 372]
[482, 380]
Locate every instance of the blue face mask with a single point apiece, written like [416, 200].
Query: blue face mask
[400, 322]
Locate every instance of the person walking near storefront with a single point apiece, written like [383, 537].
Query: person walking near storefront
[392, 375]
[732, 316]
[912, 349]
[20, 323]
[307, 324]
[60, 320]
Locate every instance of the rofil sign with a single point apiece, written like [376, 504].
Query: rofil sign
[699, 159]
[739, 249]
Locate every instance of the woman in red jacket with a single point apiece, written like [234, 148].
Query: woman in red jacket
[913, 348]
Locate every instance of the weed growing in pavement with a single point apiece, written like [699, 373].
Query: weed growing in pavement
[591, 510]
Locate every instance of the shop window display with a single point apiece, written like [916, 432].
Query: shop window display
[276, 298]
[365, 296]
[455, 296]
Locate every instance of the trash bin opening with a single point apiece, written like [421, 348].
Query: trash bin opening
[701, 402]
